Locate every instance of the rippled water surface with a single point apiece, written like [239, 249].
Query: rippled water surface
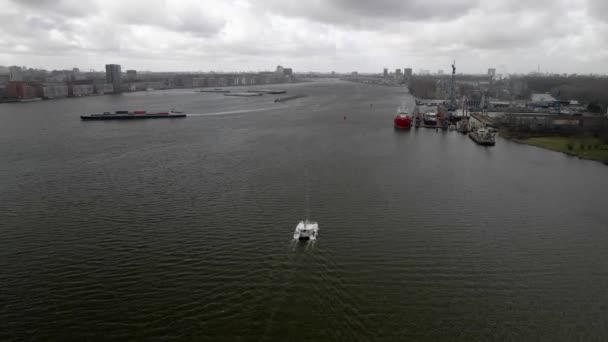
[182, 228]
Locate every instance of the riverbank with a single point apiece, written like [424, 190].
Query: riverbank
[585, 147]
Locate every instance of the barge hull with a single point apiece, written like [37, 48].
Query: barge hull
[131, 117]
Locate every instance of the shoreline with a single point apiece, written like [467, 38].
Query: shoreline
[36, 99]
[568, 145]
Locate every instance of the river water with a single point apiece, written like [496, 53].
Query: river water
[182, 228]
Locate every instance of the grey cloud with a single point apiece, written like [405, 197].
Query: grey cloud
[370, 14]
[189, 18]
[349, 34]
[598, 9]
[63, 8]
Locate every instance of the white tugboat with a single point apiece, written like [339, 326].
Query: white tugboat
[306, 230]
[483, 136]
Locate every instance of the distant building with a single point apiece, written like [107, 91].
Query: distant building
[491, 72]
[103, 88]
[58, 77]
[114, 76]
[75, 74]
[440, 72]
[54, 90]
[538, 97]
[398, 74]
[288, 72]
[15, 73]
[131, 75]
[184, 81]
[354, 73]
[81, 89]
[21, 90]
[280, 70]
[407, 72]
[385, 74]
[156, 85]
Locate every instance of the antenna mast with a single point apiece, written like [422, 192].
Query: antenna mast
[452, 86]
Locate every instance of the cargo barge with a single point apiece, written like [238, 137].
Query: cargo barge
[134, 115]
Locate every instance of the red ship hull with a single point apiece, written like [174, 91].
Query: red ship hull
[403, 121]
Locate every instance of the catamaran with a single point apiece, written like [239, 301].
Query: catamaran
[306, 230]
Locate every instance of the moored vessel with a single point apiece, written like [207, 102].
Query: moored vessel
[402, 121]
[429, 119]
[462, 126]
[483, 136]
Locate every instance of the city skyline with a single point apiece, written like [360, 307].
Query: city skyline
[513, 37]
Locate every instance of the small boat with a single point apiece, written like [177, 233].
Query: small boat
[402, 121]
[483, 136]
[306, 230]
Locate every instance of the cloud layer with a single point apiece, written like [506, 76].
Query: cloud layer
[342, 35]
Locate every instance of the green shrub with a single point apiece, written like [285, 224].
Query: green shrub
[570, 146]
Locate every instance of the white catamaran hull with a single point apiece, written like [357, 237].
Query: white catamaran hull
[306, 230]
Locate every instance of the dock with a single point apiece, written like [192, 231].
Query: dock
[484, 119]
[214, 91]
[283, 99]
[243, 94]
[268, 91]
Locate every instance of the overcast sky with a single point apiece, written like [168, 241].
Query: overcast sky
[308, 35]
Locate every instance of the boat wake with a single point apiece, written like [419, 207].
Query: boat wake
[308, 245]
[232, 112]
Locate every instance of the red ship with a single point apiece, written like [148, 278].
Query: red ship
[403, 121]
